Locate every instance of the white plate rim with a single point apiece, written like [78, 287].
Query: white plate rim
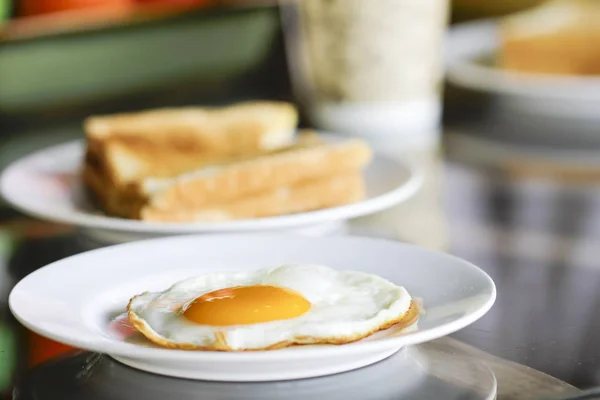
[129, 350]
[88, 220]
[466, 41]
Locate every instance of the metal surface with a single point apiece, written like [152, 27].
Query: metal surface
[515, 381]
[538, 236]
[533, 226]
[424, 372]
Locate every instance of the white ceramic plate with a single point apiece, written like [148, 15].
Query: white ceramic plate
[46, 184]
[470, 49]
[75, 300]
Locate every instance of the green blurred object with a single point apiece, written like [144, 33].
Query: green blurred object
[7, 246]
[7, 356]
[204, 46]
[5, 8]
[7, 337]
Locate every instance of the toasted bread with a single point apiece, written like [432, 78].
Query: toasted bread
[125, 200]
[234, 184]
[120, 201]
[167, 142]
[305, 196]
[559, 37]
[222, 184]
[197, 164]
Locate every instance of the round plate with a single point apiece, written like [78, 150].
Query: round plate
[470, 52]
[47, 185]
[76, 300]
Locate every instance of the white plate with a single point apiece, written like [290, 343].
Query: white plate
[46, 184]
[75, 300]
[470, 49]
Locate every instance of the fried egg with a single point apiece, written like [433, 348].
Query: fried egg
[269, 309]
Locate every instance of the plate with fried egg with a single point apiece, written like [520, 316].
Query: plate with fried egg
[252, 307]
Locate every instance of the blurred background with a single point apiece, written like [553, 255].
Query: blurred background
[515, 154]
[64, 59]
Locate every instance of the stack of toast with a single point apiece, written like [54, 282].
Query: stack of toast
[217, 164]
[558, 37]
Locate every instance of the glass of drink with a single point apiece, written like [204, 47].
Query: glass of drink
[368, 67]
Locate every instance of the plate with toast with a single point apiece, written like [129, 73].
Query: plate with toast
[243, 167]
[543, 60]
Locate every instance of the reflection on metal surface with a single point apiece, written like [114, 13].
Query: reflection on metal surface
[430, 371]
[538, 238]
[500, 222]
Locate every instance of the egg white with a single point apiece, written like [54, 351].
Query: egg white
[345, 306]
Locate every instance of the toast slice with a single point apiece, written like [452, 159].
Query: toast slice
[559, 37]
[222, 184]
[167, 142]
[184, 197]
[305, 196]
[125, 200]
[119, 201]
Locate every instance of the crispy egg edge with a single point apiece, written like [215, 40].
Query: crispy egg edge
[410, 317]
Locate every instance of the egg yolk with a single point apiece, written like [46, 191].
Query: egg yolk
[243, 305]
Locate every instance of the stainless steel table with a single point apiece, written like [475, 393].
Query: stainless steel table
[444, 369]
[535, 232]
